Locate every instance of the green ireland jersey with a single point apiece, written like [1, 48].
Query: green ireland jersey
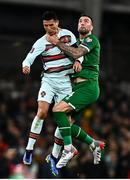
[90, 64]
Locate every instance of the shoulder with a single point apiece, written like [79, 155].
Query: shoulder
[40, 41]
[67, 36]
[66, 31]
[91, 38]
[94, 37]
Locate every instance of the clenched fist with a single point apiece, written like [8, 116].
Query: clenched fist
[77, 66]
[26, 70]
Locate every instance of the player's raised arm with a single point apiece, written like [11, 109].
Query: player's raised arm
[36, 50]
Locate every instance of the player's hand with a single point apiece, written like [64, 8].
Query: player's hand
[53, 39]
[77, 66]
[26, 70]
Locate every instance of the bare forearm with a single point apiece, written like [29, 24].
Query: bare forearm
[71, 51]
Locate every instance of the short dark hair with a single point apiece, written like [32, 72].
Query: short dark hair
[86, 16]
[48, 15]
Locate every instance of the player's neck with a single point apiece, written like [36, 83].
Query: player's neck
[82, 36]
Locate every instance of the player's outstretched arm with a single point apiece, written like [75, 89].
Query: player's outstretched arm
[70, 51]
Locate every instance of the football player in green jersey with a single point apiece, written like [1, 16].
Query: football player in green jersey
[86, 85]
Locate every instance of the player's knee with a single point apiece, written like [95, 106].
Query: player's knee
[57, 108]
[60, 108]
[42, 114]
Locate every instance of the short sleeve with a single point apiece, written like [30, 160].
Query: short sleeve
[89, 43]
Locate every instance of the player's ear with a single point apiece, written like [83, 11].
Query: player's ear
[57, 22]
[91, 27]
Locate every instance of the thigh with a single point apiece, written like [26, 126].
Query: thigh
[46, 92]
[84, 94]
[62, 107]
[63, 90]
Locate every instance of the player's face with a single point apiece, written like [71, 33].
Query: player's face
[51, 26]
[85, 25]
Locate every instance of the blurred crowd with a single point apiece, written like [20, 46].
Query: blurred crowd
[108, 119]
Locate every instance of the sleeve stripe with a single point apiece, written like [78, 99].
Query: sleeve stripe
[85, 47]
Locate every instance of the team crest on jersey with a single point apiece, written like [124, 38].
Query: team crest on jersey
[89, 39]
[43, 93]
[65, 39]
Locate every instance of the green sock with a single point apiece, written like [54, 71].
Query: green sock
[80, 134]
[64, 126]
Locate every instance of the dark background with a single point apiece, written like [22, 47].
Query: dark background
[108, 119]
[21, 25]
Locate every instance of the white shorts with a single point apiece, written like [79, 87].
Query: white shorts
[54, 87]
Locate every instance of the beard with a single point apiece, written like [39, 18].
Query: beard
[83, 31]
